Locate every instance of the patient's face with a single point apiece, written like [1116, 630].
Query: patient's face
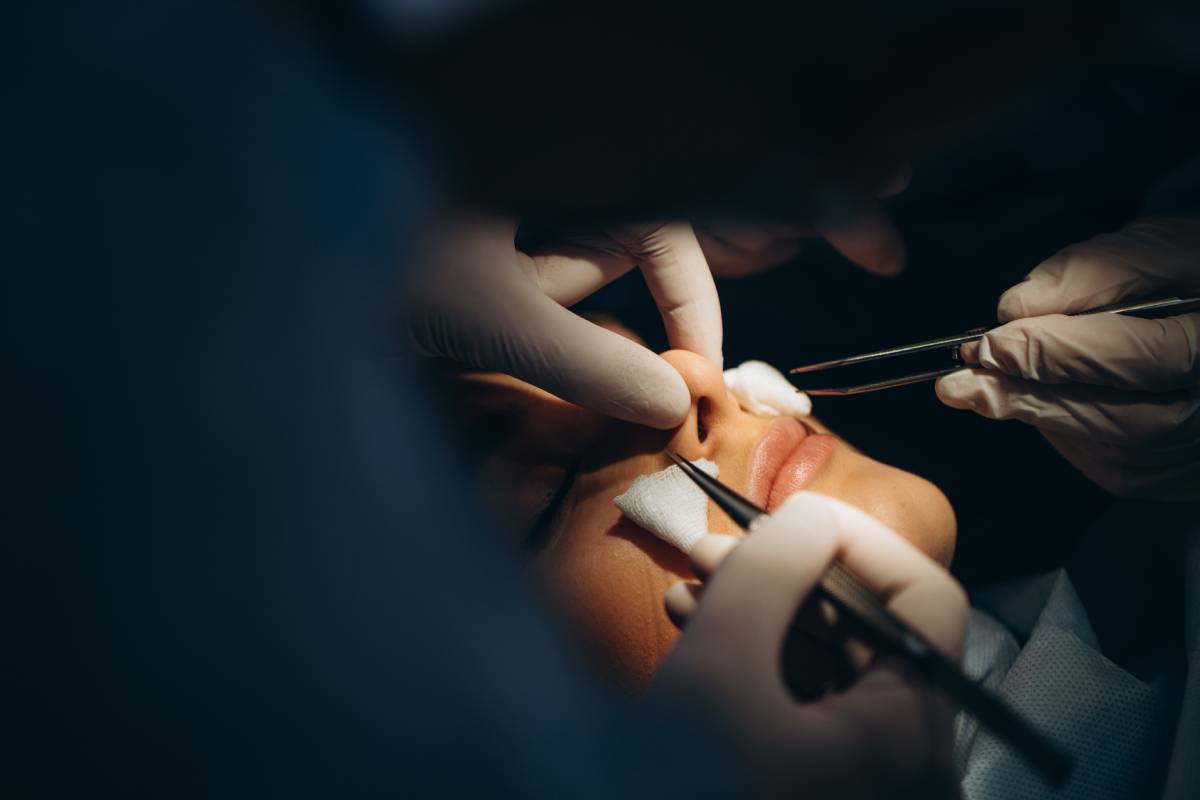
[556, 468]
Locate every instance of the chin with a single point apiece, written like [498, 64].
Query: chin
[915, 509]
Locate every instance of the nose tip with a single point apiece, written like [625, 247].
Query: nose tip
[712, 410]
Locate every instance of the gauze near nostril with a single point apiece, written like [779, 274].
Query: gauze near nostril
[669, 505]
[763, 390]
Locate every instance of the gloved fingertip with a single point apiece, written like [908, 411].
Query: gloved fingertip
[809, 513]
[957, 389]
[897, 182]
[681, 601]
[889, 266]
[894, 265]
[807, 521]
[1010, 307]
[1018, 301]
[708, 553]
[969, 352]
[666, 408]
[710, 351]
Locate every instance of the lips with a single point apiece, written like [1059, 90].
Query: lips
[785, 461]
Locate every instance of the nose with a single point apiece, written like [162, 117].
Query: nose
[714, 411]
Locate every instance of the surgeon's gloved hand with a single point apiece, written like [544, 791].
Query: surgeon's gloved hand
[1118, 397]
[888, 734]
[485, 303]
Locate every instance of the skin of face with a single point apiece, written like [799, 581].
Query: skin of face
[608, 574]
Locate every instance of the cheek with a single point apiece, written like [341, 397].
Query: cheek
[906, 503]
[609, 577]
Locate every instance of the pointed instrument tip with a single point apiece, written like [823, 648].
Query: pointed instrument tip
[837, 362]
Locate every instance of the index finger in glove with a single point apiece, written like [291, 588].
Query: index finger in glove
[912, 585]
[682, 285]
[591, 366]
[515, 329]
[749, 602]
[1154, 355]
[1145, 257]
[1111, 416]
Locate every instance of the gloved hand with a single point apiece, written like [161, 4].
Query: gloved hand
[888, 735]
[1116, 396]
[483, 302]
[866, 238]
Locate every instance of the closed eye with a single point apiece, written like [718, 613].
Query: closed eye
[543, 530]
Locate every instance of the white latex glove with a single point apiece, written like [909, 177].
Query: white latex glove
[483, 302]
[1116, 396]
[764, 391]
[887, 735]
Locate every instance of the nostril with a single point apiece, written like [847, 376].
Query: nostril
[702, 408]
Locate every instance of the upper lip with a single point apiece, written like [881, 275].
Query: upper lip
[772, 451]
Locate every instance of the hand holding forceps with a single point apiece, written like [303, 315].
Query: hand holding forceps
[1148, 309]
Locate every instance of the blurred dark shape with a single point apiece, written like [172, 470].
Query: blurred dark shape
[568, 111]
[243, 564]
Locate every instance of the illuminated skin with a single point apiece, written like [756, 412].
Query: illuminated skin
[608, 574]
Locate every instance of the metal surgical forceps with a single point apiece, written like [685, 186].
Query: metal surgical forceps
[1147, 309]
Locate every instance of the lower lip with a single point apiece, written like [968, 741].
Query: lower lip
[785, 461]
[801, 467]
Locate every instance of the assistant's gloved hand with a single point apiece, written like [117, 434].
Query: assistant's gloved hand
[485, 303]
[865, 237]
[1116, 396]
[887, 735]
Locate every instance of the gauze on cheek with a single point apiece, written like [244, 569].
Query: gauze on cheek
[669, 505]
[765, 392]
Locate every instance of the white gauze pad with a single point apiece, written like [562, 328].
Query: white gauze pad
[669, 505]
[765, 392]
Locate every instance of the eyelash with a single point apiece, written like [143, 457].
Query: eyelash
[543, 530]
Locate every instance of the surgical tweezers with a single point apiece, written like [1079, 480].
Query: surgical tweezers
[1148, 309]
[869, 619]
